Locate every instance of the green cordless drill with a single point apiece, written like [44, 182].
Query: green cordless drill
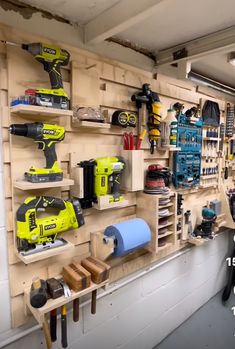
[46, 136]
[52, 58]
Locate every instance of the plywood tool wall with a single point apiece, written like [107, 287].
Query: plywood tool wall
[89, 81]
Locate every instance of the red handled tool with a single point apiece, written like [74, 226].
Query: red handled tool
[128, 141]
[140, 139]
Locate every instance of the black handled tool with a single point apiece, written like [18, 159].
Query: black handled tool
[64, 340]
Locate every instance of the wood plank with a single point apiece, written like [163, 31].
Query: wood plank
[25, 185]
[51, 304]
[45, 254]
[85, 86]
[34, 110]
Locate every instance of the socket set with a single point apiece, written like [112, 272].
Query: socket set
[189, 138]
[186, 169]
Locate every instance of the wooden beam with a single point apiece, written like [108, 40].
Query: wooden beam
[221, 41]
[118, 18]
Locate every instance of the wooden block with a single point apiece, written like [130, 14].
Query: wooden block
[18, 315]
[98, 269]
[77, 188]
[85, 86]
[133, 176]
[3, 79]
[99, 249]
[89, 124]
[104, 204]
[77, 277]
[5, 116]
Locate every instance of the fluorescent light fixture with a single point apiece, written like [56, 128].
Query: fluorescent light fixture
[231, 58]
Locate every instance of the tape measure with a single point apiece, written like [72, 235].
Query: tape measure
[124, 118]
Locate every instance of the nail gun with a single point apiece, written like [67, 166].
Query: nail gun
[46, 136]
[35, 234]
[52, 58]
[107, 177]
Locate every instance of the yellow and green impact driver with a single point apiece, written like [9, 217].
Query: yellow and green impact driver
[52, 58]
[46, 136]
[35, 233]
[107, 177]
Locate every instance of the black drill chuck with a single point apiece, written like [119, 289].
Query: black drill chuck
[19, 129]
[34, 131]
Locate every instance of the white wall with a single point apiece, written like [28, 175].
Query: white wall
[140, 314]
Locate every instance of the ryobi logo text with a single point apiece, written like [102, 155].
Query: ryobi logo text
[49, 226]
[49, 132]
[49, 50]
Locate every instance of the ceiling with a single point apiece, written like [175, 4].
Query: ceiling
[76, 11]
[167, 24]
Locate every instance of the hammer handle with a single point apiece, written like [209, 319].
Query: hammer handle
[64, 341]
[46, 332]
[53, 324]
[93, 301]
[76, 310]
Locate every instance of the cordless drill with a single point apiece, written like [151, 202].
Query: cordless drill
[52, 58]
[107, 177]
[46, 136]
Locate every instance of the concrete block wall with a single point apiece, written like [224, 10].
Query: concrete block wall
[142, 313]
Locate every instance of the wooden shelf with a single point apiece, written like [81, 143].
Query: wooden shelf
[167, 215]
[210, 176]
[44, 254]
[78, 124]
[160, 236]
[171, 149]
[51, 304]
[205, 186]
[198, 241]
[165, 225]
[166, 205]
[102, 205]
[25, 185]
[168, 244]
[211, 139]
[25, 109]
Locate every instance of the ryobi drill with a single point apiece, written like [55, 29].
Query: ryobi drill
[107, 177]
[33, 231]
[46, 136]
[52, 58]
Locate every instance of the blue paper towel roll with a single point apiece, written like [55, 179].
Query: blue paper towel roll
[129, 235]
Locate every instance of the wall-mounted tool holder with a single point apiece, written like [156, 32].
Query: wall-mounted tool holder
[20, 114]
[210, 157]
[160, 212]
[133, 176]
[52, 304]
